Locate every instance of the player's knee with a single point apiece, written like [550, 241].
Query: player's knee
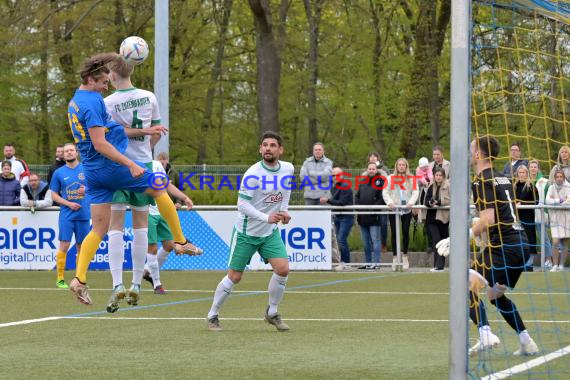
[282, 271]
[235, 276]
[64, 246]
[168, 245]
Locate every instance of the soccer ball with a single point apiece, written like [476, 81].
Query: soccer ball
[134, 49]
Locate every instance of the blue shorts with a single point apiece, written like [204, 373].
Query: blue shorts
[103, 182]
[69, 227]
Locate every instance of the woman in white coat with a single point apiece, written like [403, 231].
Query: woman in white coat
[402, 190]
[559, 194]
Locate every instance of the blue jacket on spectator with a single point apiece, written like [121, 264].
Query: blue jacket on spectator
[9, 191]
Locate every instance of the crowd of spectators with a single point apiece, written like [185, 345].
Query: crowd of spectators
[20, 187]
[530, 186]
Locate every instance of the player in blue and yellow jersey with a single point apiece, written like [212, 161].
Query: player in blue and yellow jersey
[102, 142]
[68, 189]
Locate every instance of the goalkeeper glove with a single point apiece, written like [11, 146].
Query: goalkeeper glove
[443, 247]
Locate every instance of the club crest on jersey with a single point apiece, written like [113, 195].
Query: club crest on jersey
[81, 176]
[273, 198]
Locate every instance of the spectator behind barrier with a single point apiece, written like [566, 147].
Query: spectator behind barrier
[58, 163]
[439, 161]
[36, 194]
[382, 170]
[319, 169]
[511, 167]
[562, 163]
[9, 186]
[559, 195]
[343, 222]
[437, 220]
[394, 196]
[526, 194]
[541, 216]
[19, 167]
[370, 193]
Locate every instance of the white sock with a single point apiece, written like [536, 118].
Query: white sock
[276, 289]
[524, 337]
[116, 256]
[162, 255]
[484, 330]
[152, 266]
[138, 253]
[223, 291]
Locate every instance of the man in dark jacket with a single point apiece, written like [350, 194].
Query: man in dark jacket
[370, 193]
[58, 163]
[9, 186]
[341, 196]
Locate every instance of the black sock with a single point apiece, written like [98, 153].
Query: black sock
[510, 313]
[477, 311]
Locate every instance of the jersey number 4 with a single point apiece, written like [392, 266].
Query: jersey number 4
[137, 124]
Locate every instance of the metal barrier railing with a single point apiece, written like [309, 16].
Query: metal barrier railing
[362, 210]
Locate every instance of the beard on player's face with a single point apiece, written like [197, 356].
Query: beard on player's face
[269, 157]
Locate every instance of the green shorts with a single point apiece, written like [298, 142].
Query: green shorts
[158, 229]
[243, 247]
[132, 198]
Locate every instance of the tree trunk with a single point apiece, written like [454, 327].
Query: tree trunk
[376, 11]
[268, 66]
[423, 107]
[43, 125]
[313, 19]
[214, 78]
[63, 48]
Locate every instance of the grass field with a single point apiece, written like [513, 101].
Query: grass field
[354, 325]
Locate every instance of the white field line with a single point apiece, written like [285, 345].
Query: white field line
[519, 368]
[396, 320]
[29, 321]
[300, 292]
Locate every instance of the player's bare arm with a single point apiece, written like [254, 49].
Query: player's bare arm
[486, 219]
[102, 146]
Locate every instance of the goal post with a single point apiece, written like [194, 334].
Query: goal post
[510, 78]
[459, 214]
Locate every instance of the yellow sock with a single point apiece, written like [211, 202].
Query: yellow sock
[60, 264]
[168, 212]
[88, 249]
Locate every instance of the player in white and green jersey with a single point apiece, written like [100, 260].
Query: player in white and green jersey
[263, 201]
[137, 110]
[158, 231]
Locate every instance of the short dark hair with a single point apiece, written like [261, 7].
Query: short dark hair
[437, 147]
[373, 154]
[8, 144]
[272, 135]
[33, 174]
[489, 146]
[516, 144]
[7, 163]
[60, 145]
[439, 170]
